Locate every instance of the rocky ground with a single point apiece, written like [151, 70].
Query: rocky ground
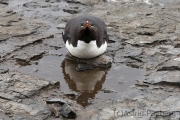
[143, 35]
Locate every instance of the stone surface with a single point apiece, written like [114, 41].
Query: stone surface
[143, 34]
[164, 76]
[100, 61]
[15, 87]
[67, 111]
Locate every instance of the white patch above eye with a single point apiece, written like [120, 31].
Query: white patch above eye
[86, 50]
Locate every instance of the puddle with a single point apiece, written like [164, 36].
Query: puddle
[91, 86]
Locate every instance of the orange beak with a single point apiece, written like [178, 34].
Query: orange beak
[87, 24]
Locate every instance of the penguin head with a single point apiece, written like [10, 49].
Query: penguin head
[87, 31]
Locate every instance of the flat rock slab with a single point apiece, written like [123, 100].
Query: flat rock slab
[17, 32]
[15, 87]
[172, 77]
[19, 85]
[146, 40]
[147, 104]
[100, 61]
[2, 71]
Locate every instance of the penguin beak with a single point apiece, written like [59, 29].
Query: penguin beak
[87, 24]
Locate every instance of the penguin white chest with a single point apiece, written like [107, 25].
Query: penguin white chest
[86, 50]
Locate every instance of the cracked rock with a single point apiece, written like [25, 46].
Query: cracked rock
[145, 40]
[164, 76]
[67, 111]
[100, 61]
[15, 82]
[2, 71]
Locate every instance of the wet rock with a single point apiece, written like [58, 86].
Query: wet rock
[148, 27]
[4, 116]
[170, 101]
[21, 42]
[141, 35]
[65, 109]
[2, 71]
[176, 42]
[35, 4]
[145, 31]
[4, 37]
[71, 11]
[4, 2]
[107, 90]
[72, 94]
[61, 26]
[178, 27]
[170, 28]
[6, 96]
[56, 42]
[100, 61]
[67, 112]
[105, 114]
[143, 107]
[161, 115]
[5, 49]
[56, 100]
[55, 53]
[7, 17]
[28, 110]
[26, 57]
[85, 2]
[18, 27]
[54, 110]
[164, 76]
[83, 66]
[16, 90]
[146, 40]
[19, 30]
[171, 65]
[155, 57]
[114, 46]
[175, 115]
[14, 82]
[127, 52]
[26, 54]
[113, 113]
[52, 1]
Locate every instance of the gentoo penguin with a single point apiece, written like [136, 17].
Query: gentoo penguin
[85, 36]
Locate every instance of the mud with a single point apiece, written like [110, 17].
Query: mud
[142, 83]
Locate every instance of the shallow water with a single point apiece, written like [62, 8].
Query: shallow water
[90, 86]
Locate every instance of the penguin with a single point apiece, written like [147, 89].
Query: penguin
[85, 36]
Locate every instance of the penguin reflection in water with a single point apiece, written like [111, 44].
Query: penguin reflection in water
[85, 36]
[87, 83]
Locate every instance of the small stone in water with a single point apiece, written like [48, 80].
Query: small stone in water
[84, 66]
[67, 111]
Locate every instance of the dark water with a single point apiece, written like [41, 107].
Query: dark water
[91, 86]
